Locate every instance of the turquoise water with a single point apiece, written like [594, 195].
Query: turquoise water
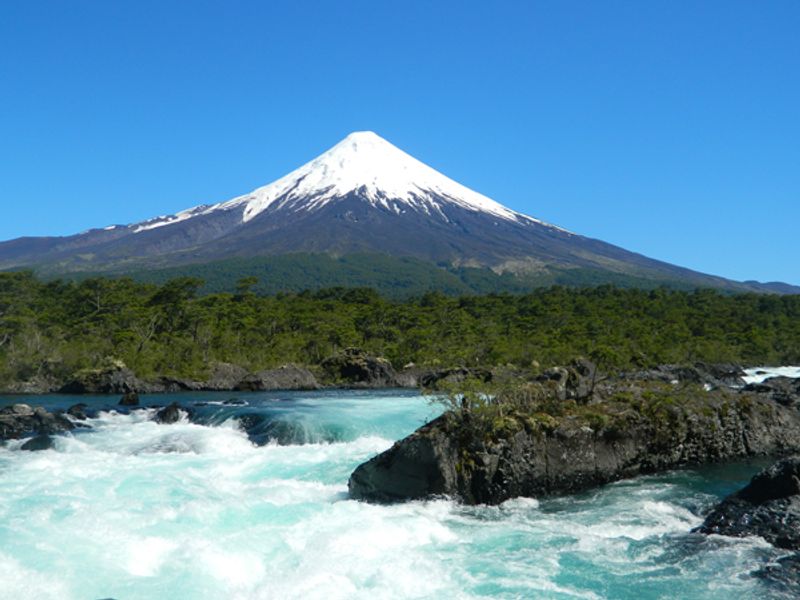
[130, 509]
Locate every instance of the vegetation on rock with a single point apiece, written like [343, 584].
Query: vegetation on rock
[569, 429]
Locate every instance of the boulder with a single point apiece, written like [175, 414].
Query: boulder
[78, 411]
[129, 399]
[169, 414]
[574, 382]
[114, 378]
[359, 369]
[769, 507]
[20, 420]
[286, 377]
[40, 442]
[224, 377]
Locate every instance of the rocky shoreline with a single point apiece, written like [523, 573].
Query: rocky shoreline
[768, 507]
[570, 430]
[350, 369]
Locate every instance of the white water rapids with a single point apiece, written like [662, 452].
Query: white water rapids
[130, 509]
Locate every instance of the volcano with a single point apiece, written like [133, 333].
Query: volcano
[362, 196]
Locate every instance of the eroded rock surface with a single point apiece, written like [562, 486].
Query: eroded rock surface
[21, 420]
[769, 507]
[286, 377]
[532, 453]
[359, 369]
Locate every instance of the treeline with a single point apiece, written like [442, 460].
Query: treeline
[52, 329]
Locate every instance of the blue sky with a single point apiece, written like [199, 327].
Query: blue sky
[670, 128]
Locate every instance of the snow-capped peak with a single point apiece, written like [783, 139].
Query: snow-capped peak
[364, 162]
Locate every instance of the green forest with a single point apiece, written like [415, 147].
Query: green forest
[54, 328]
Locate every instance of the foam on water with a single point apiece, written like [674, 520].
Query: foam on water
[759, 374]
[132, 509]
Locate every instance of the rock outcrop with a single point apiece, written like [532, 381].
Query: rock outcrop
[713, 375]
[169, 414]
[286, 377]
[784, 390]
[114, 378]
[356, 368]
[224, 377]
[438, 378]
[129, 399]
[21, 420]
[565, 447]
[769, 507]
[574, 382]
[78, 411]
[34, 385]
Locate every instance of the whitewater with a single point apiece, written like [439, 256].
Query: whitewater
[131, 509]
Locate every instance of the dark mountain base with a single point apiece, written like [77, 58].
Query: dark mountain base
[392, 277]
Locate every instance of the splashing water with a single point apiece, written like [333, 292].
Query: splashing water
[131, 509]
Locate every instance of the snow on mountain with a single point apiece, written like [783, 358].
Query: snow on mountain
[365, 163]
[203, 209]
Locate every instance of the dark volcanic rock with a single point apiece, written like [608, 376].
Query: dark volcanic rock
[714, 375]
[256, 426]
[113, 379]
[224, 377]
[784, 390]
[35, 385]
[169, 414]
[356, 367]
[409, 377]
[534, 454]
[20, 420]
[173, 384]
[286, 377]
[78, 411]
[40, 442]
[436, 379]
[129, 399]
[717, 374]
[575, 382]
[769, 507]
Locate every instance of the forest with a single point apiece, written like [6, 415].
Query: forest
[54, 328]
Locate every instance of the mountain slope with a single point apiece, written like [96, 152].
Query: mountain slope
[362, 196]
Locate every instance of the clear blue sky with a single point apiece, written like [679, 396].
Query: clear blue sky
[671, 128]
